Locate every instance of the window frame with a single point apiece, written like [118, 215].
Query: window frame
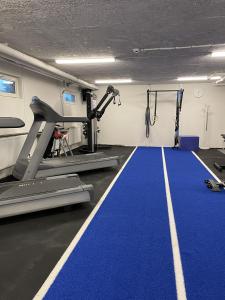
[72, 93]
[6, 77]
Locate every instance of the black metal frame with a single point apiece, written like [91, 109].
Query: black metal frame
[96, 113]
[179, 100]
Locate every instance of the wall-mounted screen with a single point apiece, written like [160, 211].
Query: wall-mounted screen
[69, 98]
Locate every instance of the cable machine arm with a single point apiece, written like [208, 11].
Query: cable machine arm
[99, 113]
[99, 110]
[94, 114]
[110, 90]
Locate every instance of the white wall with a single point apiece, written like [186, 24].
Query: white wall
[125, 125]
[122, 125]
[31, 84]
[78, 110]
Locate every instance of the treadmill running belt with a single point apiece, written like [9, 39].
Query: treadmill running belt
[38, 186]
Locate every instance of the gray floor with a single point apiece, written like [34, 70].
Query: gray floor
[222, 151]
[209, 157]
[31, 245]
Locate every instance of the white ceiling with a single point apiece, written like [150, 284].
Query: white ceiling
[61, 29]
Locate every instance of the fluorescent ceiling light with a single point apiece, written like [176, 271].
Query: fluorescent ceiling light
[215, 78]
[218, 54]
[88, 60]
[108, 81]
[193, 78]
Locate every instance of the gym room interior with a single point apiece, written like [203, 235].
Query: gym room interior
[112, 138]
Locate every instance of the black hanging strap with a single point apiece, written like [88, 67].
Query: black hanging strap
[148, 121]
[178, 110]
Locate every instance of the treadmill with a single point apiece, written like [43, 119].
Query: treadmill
[37, 167]
[20, 197]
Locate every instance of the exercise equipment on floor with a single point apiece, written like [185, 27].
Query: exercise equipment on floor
[20, 197]
[188, 142]
[149, 122]
[214, 185]
[94, 114]
[36, 166]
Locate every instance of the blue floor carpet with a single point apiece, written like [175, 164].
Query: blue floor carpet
[200, 220]
[126, 251]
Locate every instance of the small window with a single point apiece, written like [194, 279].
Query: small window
[69, 98]
[8, 86]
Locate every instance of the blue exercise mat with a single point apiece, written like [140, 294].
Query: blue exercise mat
[200, 220]
[126, 251]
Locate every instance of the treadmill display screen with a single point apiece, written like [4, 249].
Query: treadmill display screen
[69, 98]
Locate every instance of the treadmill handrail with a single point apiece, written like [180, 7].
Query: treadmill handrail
[8, 122]
[44, 112]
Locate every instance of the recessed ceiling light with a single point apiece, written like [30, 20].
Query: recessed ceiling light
[218, 54]
[193, 78]
[108, 81]
[215, 78]
[88, 60]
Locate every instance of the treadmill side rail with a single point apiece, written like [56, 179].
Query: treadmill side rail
[18, 198]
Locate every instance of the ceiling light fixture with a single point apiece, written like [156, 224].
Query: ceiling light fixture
[193, 78]
[215, 78]
[87, 60]
[110, 81]
[218, 54]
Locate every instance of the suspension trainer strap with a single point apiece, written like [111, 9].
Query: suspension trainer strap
[178, 110]
[147, 116]
[152, 123]
[148, 121]
[119, 101]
